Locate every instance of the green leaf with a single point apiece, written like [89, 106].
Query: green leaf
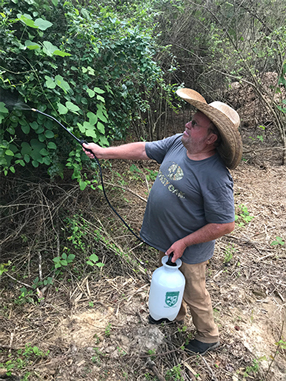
[25, 128]
[55, 2]
[49, 134]
[103, 141]
[90, 92]
[281, 109]
[89, 130]
[8, 152]
[47, 160]
[100, 98]
[62, 109]
[81, 128]
[40, 129]
[101, 127]
[27, 21]
[93, 257]
[82, 185]
[52, 145]
[92, 118]
[62, 83]
[98, 90]
[72, 107]
[49, 48]
[41, 137]
[27, 158]
[85, 13]
[43, 24]
[60, 53]
[101, 116]
[50, 83]
[44, 152]
[34, 125]
[3, 109]
[31, 45]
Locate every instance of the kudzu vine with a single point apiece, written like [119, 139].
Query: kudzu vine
[84, 66]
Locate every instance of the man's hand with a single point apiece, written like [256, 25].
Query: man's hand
[95, 148]
[177, 248]
[207, 233]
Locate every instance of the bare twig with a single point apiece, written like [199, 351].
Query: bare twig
[18, 281]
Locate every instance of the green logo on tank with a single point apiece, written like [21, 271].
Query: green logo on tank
[172, 298]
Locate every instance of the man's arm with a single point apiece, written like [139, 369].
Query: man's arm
[207, 233]
[131, 151]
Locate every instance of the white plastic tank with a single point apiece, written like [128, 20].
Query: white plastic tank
[166, 290]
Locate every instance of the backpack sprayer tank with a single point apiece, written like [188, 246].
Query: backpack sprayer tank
[166, 290]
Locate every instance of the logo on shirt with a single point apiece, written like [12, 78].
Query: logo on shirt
[172, 298]
[175, 172]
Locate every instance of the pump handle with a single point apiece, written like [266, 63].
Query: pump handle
[169, 261]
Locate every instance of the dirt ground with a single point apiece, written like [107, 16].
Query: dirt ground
[93, 324]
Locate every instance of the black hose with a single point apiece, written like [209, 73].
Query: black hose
[81, 142]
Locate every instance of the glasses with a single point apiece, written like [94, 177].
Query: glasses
[196, 124]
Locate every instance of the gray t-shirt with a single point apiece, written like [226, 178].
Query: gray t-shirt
[186, 196]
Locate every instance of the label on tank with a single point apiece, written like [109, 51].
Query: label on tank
[171, 298]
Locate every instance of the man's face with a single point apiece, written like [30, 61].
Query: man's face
[196, 132]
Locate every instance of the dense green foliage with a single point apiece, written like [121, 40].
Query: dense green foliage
[84, 66]
[105, 68]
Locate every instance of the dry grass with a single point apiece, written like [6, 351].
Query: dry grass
[93, 321]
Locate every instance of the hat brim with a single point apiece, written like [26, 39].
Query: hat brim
[230, 148]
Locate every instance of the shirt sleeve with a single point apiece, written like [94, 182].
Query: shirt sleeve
[157, 150]
[219, 204]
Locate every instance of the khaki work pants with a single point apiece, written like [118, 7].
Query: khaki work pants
[198, 299]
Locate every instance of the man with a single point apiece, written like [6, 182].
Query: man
[191, 202]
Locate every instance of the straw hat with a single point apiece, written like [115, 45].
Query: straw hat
[227, 121]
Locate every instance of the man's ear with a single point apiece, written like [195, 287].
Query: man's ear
[212, 138]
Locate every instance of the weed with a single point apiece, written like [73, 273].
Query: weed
[243, 217]
[3, 267]
[45, 282]
[151, 176]
[77, 228]
[64, 259]
[96, 358]
[93, 261]
[121, 352]
[174, 374]
[281, 344]
[259, 137]
[252, 369]
[277, 241]
[229, 252]
[25, 296]
[23, 358]
[107, 330]
[152, 352]
[183, 329]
